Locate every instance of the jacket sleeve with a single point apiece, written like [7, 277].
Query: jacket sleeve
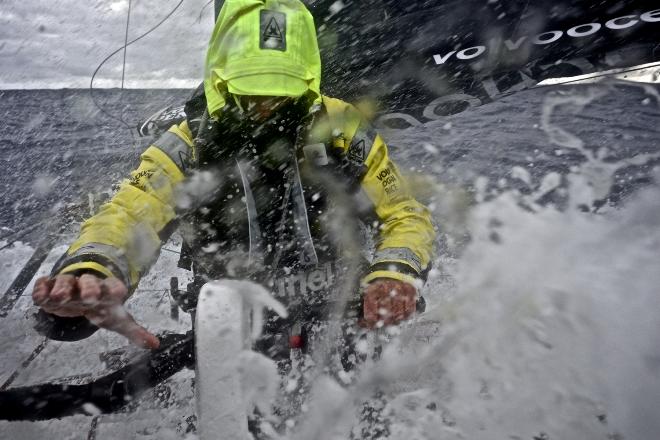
[123, 239]
[404, 245]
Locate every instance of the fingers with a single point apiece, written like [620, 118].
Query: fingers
[113, 316]
[90, 289]
[141, 337]
[114, 291]
[99, 300]
[41, 290]
[380, 309]
[403, 303]
[117, 319]
[388, 302]
[97, 293]
[66, 295]
[63, 289]
[55, 295]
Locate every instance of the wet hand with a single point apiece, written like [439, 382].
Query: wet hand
[99, 300]
[388, 302]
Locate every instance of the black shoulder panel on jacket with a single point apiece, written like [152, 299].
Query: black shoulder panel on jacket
[194, 109]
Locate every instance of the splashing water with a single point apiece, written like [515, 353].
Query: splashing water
[232, 380]
[593, 180]
[549, 333]
[557, 313]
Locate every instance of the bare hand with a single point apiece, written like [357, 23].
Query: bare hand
[388, 302]
[99, 300]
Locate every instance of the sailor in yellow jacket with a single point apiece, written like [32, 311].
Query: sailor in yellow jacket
[249, 178]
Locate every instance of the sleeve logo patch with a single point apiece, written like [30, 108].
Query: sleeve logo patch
[389, 181]
[356, 152]
[361, 145]
[137, 178]
[272, 30]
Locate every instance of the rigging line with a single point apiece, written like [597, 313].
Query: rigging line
[91, 435]
[201, 12]
[128, 20]
[522, 15]
[123, 71]
[91, 83]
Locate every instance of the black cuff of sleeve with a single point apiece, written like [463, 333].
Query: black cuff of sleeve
[394, 266]
[65, 260]
[401, 268]
[79, 272]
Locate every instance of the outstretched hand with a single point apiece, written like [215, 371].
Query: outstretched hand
[99, 300]
[388, 302]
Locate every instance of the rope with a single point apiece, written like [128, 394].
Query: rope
[201, 12]
[91, 83]
[123, 67]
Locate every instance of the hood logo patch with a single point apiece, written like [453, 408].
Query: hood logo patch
[272, 30]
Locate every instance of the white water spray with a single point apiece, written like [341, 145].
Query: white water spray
[551, 329]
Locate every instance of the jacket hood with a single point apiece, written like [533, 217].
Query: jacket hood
[262, 48]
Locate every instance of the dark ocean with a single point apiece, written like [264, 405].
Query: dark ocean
[58, 147]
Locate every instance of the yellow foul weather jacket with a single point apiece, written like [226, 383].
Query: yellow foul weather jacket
[262, 48]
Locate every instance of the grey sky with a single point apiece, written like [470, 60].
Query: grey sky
[59, 43]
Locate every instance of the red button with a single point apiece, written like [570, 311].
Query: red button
[296, 341]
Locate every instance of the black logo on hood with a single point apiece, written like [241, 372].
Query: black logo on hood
[272, 30]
